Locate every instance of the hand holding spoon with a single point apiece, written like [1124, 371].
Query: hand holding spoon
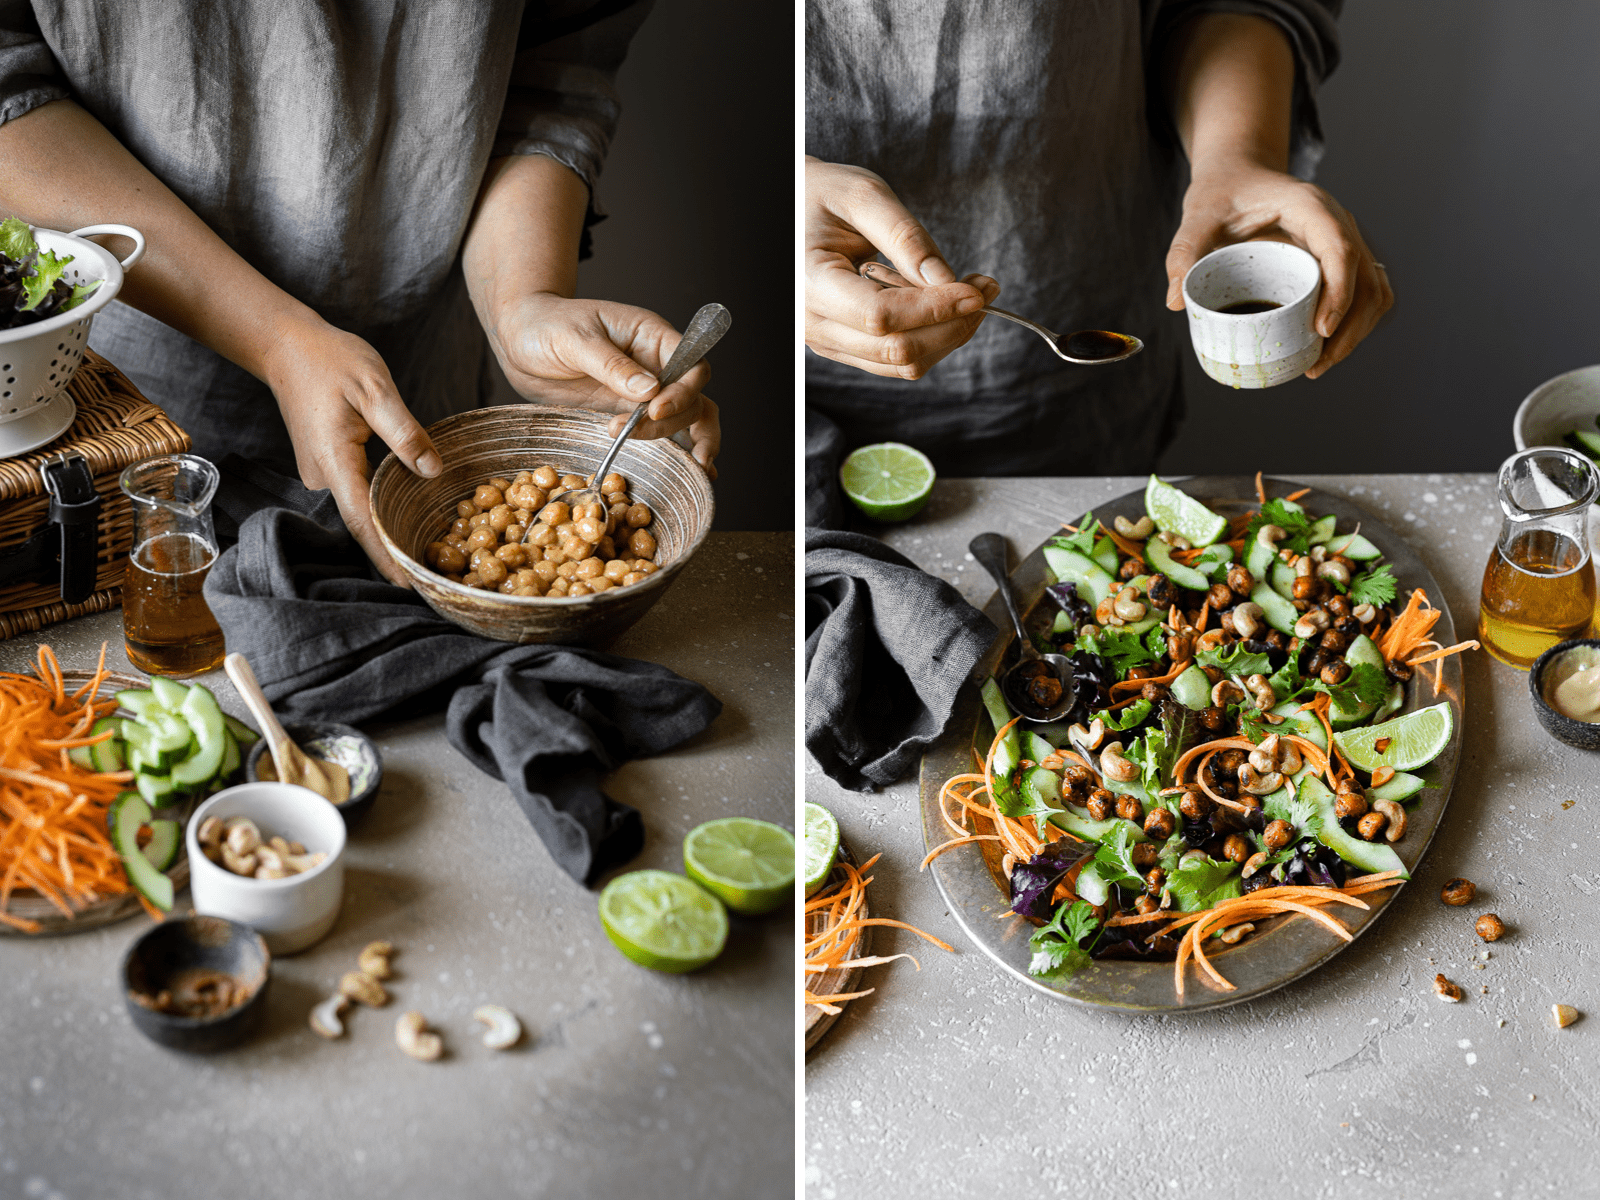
[1041, 687]
[293, 764]
[1086, 347]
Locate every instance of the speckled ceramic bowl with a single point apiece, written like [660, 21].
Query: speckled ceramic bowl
[158, 959]
[1580, 734]
[410, 512]
[342, 744]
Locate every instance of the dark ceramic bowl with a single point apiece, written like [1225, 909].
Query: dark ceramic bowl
[159, 959]
[1581, 734]
[410, 511]
[342, 744]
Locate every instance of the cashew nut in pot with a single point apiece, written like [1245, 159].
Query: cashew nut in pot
[1259, 783]
[209, 835]
[1128, 606]
[1396, 816]
[1225, 693]
[242, 835]
[374, 959]
[1311, 624]
[1114, 766]
[1335, 571]
[411, 1036]
[1267, 535]
[1136, 530]
[239, 864]
[280, 844]
[1365, 613]
[272, 873]
[297, 863]
[1248, 619]
[358, 985]
[270, 859]
[504, 1028]
[325, 1016]
[1260, 689]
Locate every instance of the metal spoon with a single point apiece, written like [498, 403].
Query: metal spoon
[1086, 347]
[990, 551]
[705, 330]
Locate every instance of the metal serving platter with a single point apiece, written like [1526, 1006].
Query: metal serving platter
[1282, 949]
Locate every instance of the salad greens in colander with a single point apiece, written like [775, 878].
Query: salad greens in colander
[31, 283]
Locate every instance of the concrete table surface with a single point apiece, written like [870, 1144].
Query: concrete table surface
[629, 1082]
[1354, 1081]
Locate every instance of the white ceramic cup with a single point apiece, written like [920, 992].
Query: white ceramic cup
[1254, 350]
[290, 914]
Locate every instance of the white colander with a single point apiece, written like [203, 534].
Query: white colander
[37, 361]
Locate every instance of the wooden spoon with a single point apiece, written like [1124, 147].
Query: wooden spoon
[294, 765]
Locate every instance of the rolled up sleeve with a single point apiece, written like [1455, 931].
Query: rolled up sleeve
[1311, 27]
[28, 73]
[563, 101]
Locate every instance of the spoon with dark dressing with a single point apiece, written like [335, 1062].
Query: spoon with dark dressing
[1041, 687]
[1086, 347]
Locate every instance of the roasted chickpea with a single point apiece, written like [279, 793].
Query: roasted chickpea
[499, 517]
[1458, 891]
[606, 548]
[616, 569]
[472, 579]
[1155, 881]
[522, 477]
[644, 566]
[546, 571]
[542, 535]
[555, 513]
[558, 588]
[590, 567]
[466, 509]
[487, 496]
[1160, 823]
[574, 481]
[527, 577]
[639, 515]
[478, 555]
[480, 538]
[1146, 904]
[491, 570]
[591, 530]
[578, 589]
[1235, 848]
[525, 589]
[1144, 855]
[1350, 801]
[455, 539]
[1129, 808]
[1102, 805]
[431, 554]
[1195, 805]
[512, 556]
[546, 477]
[478, 521]
[507, 586]
[631, 578]
[617, 514]
[1490, 927]
[1372, 825]
[600, 583]
[527, 495]
[643, 544]
[568, 570]
[451, 558]
[613, 483]
[514, 533]
[575, 547]
[1277, 835]
[461, 526]
[499, 482]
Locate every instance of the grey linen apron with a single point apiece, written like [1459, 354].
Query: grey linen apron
[1030, 139]
[338, 147]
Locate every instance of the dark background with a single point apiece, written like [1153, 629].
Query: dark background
[699, 188]
[1465, 139]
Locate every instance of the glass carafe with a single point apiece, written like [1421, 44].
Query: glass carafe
[165, 621]
[1539, 586]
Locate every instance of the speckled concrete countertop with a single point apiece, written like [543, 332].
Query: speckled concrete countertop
[1355, 1081]
[630, 1083]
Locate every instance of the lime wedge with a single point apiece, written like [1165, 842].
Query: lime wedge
[745, 863]
[1415, 739]
[822, 846]
[1175, 512]
[663, 921]
[889, 481]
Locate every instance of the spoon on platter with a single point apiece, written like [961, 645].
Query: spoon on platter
[1086, 347]
[1042, 687]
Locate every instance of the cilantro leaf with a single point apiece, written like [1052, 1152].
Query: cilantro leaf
[16, 240]
[1121, 649]
[80, 293]
[1115, 857]
[1235, 660]
[1296, 525]
[1201, 883]
[1366, 684]
[1129, 718]
[47, 268]
[1057, 948]
[1376, 586]
[1296, 808]
[1082, 541]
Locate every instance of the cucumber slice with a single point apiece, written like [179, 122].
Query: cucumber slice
[1402, 787]
[1321, 530]
[169, 734]
[231, 756]
[1063, 624]
[242, 732]
[1282, 579]
[1258, 560]
[107, 755]
[1391, 705]
[1214, 560]
[1303, 724]
[156, 789]
[1280, 614]
[1369, 856]
[1159, 555]
[1091, 885]
[1363, 650]
[1080, 825]
[170, 694]
[1105, 555]
[127, 813]
[1044, 785]
[82, 756]
[1035, 747]
[162, 848]
[1354, 546]
[137, 700]
[205, 718]
[1192, 689]
[1141, 627]
[1094, 582]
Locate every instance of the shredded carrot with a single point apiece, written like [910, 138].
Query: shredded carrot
[1138, 684]
[53, 838]
[1301, 494]
[1131, 549]
[1261, 493]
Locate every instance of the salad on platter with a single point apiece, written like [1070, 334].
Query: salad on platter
[1235, 749]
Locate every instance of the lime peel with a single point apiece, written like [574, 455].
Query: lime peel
[1415, 740]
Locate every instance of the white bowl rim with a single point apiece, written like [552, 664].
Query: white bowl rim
[1532, 398]
[104, 294]
[199, 862]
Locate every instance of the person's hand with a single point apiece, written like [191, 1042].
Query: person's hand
[335, 392]
[852, 216]
[602, 356]
[1241, 202]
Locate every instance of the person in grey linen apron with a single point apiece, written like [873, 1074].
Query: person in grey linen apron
[340, 201]
[1044, 144]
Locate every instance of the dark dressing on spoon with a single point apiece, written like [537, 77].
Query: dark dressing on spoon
[1099, 343]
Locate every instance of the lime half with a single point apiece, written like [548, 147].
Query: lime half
[1176, 512]
[889, 481]
[745, 863]
[1414, 740]
[822, 846]
[663, 921]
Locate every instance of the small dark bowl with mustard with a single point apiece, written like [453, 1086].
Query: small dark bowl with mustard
[1565, 682]
[344, 746]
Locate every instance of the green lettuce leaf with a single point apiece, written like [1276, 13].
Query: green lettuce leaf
[1057, 948]
[1235, 660]
[1115, 857]
[1200, 883]
[47, 268]
[1129, 718]
[16, 240]
[80, 293]
[1287, 682]
[1123, 650]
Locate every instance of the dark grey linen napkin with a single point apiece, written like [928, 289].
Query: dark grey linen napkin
[888, 646]
[329, 640]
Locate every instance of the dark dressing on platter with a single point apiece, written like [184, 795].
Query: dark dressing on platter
[1099, 343]
[1241, 308]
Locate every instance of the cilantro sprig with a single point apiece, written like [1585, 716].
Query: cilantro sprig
[1058, 951]
[1129, 718]
[1376, 586]
[1083, 541]
[1366, 684]
[1295, 525]
[1122, 650]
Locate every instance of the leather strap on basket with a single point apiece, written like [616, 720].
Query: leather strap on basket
[64, 549]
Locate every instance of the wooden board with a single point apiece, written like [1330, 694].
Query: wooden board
[833, 982]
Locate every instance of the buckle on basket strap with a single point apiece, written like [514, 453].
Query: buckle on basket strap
[65, 549]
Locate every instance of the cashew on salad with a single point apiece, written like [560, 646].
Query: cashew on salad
[1234, 750]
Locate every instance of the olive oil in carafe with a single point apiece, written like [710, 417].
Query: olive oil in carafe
[1537, 591]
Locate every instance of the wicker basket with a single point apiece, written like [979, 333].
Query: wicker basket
[115, 426]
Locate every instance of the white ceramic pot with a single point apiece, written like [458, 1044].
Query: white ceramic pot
[1254, 350]
[1558, 406]
[293, 913]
